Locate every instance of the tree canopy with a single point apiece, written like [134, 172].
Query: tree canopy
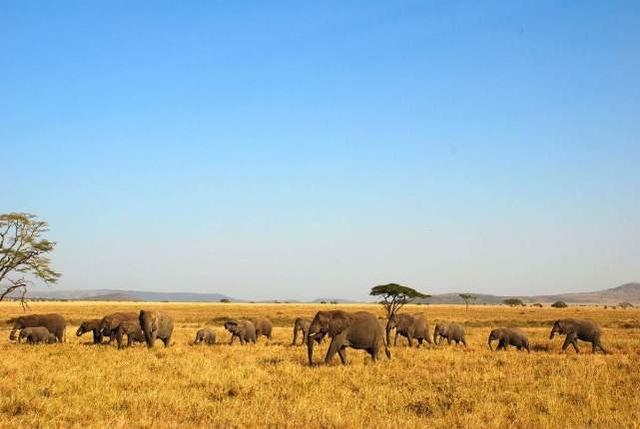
[394, 296]
[513, 302]
[467, 298]
[24, 254]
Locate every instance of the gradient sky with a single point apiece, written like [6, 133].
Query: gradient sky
[299, 150]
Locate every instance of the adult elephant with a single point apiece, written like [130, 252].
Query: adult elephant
[300, 325]
[110, 323]
[576, 329]
[91, 325]
[263, 326]
[509, 337]
[156, 324]
[359, 330]
[54, 322]
[409, 326]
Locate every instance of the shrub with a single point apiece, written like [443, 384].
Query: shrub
[625, 305]
[513, 302]
[537, 304]
[225, 300]
[559, 304]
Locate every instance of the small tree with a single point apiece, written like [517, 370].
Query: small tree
[24, 254]
[513, 302]
[394, 297]
[625, 305]
[467, 298]
[225, 300]
[559, 304]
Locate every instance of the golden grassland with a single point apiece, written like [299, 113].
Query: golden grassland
[77, 384]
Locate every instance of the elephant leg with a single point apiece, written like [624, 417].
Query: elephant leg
[601, 347]
[410, 340]
[464, 342]
[167, 341]
[233, 337]
[420, 340]
[395, 339]
[342, 352]
[449, 340]
[242, 340]
[566, 344]
[295, 336]
[336, 344]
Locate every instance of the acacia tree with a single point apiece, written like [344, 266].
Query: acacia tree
[467, 298]
[394, 296]
[24, 254]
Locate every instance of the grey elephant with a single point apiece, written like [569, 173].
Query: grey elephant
[263, 326]
[509, 337]
[37, 335]
[243, 329]
[54, 323]
[409, 326]
[91, 325]
[300, 325]
[575, 329]
[206, 336]
[156, 325]
[450, 332]
[133, 331]
[110, 323]
[359, 330]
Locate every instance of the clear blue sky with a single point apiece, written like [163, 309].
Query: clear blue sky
[307, 149]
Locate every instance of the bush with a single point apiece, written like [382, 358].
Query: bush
[513, 302]
[225, 300]
[559, 304]
[625, 305]
[537, 304]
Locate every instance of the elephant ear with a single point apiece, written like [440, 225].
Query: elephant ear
[338, 323]
[155, 321]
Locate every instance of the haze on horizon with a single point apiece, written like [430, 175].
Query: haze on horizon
[315, 150]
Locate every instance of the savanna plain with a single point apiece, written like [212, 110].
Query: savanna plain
[77, 384]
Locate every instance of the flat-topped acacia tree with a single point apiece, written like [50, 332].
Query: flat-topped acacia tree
[23, 254]
[394, 297]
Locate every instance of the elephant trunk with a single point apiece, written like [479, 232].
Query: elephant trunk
[310, 348]
[12, 334]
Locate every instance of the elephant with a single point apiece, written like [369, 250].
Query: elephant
[263, 326]
[54, 322]
[36, 335]
[242, 329]
[359, 330]
[509, 337]
[133, 331]
[91, 325]
[300, 324]
[109, 323]
[575, 329]
[409, 326]
[156, 324]
[450, 332]
[205, 335]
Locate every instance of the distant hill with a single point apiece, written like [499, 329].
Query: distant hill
[126, 295]
[629, 292]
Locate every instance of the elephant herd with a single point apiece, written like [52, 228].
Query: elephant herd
[358, 330]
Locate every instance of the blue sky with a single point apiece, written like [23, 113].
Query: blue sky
[306, 149]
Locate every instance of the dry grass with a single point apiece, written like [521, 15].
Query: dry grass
[269, 384]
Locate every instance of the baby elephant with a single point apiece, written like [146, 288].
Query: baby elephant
[451, 332]
[509, 337]
[37, 335]
[205, 335]
[300, 325]
[130, 328]
[242, 329]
